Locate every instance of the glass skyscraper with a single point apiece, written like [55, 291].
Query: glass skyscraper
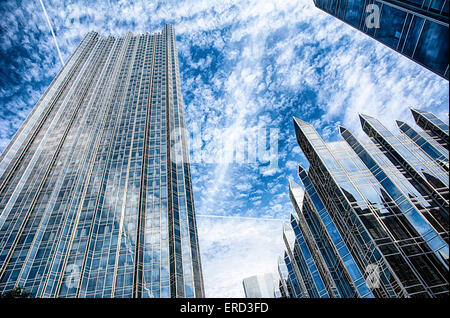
[418, 29]
[95, 189]
[372, 216]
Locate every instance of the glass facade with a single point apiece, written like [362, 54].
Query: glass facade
[432, 125]
[372, 215]
[418, 29]
[261, 286]
[95, 188]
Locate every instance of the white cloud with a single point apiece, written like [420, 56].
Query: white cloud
[233, 249]
[275, 60]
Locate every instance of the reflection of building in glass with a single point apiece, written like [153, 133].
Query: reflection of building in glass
[418, 29]
[372, 216]
[260, 286]
[95, 189]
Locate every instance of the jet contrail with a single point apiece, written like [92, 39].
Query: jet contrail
[51, 29]
[241, 217]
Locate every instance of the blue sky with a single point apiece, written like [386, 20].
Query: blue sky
[245, 66]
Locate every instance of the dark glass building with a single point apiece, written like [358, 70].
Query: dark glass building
[372, 216]
[418, 29]
[95, 188]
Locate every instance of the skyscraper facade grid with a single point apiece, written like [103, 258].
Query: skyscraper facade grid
[95, 188]
[372, 216]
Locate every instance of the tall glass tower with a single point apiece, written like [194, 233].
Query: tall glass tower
[95, 188]
[372, 216]
[418, 29]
